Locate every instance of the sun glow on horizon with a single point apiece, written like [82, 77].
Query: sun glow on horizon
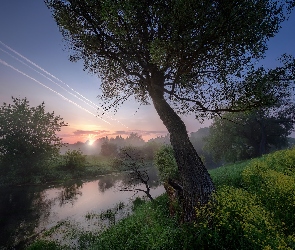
[90, 142]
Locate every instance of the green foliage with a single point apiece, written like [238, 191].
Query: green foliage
[148, 228]
[28, 140]
[254, 209]
[135, 140]
[74, 159]
[150, 149]
[240, 136]
[272, 178]
[137, 203]
[232, 33]
[44, 245]
[166, 163]
[108, 149]
[229, 175]
[198, 140]
[236, 219]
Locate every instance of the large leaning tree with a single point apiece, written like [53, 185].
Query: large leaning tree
[183, 56]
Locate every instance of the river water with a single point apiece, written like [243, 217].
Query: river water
[28, 211]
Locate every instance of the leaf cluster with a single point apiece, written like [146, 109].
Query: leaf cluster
[27, 136]
[199, 56]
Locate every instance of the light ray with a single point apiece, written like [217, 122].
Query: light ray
[47, 78]
[54, 77]
[70, 101]
[39, 67]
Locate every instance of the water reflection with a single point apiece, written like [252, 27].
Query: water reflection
[69, 194]
[109, 181]
[18, 218]
[28, 210]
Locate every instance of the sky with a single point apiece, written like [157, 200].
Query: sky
[34, 64]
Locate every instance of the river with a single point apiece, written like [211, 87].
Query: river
[28, 211]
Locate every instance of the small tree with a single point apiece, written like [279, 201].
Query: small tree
[74, 159]
[136, 176]
[28, 137]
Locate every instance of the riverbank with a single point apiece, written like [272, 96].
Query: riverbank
[55, 172]
[253, 208]
[70, 208]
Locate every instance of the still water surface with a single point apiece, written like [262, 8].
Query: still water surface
[28, 210]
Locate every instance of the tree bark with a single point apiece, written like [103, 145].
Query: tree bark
[196, 181]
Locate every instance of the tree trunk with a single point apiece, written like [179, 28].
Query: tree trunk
[196, 181]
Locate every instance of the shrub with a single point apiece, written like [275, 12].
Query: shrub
[275, 189]
[28, 139]
[166, 163]
[74, 159]
[282, 161]
[236, 219]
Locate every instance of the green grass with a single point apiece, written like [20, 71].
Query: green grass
[230, 175]
[252, 208]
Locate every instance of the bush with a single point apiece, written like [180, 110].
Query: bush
[281, 161]
[166, 163]
[109, 149]
[28, 138]
[236, 219]
[275, 189]
[74, 160]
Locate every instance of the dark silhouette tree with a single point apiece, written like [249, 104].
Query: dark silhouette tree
[247, 135]
[108, 149]
[181, 56]
[134, 139]
[136, 175]
[28, 139]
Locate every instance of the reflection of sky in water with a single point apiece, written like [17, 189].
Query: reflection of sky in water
[26, 211]
[87, 197]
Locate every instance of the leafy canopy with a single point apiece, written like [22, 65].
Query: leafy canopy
[198, 54]
[27, 136]
[247, 135]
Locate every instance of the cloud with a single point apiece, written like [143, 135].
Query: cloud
[141, 132]
[92, 132]
[121, 132]
[150, 132]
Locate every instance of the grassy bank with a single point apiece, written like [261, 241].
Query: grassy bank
[60, 171]
[253, 208]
